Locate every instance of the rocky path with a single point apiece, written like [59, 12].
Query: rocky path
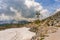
[54, 36]
[16, 34]
[44, 32]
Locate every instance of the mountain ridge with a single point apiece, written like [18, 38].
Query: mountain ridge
[52, 20]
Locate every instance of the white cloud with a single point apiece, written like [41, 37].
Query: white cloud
[28, 3]
[58, 9]
[4, 17]
[37, 7]
[17, 14]
[44, 11]
[3, 5]
[44, 14]
[23, 8]
[32, 3]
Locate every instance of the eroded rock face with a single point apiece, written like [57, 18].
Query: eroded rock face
[16, 34]
[53, 20]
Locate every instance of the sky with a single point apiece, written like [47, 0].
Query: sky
[51, 5]
[22, 9]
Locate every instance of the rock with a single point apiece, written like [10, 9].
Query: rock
[16, 34]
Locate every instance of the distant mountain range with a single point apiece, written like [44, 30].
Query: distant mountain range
[14, 22]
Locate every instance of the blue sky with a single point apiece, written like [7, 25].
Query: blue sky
[51, 5]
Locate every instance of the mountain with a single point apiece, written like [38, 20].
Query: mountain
[53, 20]
[14, 22]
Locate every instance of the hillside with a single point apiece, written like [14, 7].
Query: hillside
[46, 26]
[53, 20]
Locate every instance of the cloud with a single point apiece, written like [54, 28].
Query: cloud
[18, 16]
[34, 4]
[58, 9]
[22, 8]
[44, 14]
[3, 5]
[4, 17]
